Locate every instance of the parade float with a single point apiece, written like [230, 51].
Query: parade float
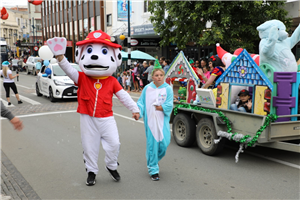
[206, 118]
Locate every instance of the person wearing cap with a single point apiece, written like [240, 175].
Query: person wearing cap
[9, 82]
[245, 102]
[98, 57]
[156, 105]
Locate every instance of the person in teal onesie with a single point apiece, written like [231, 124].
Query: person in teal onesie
[156, 105]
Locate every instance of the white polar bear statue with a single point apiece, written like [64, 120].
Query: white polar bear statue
[275, 46]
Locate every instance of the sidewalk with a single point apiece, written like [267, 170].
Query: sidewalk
[13, 183]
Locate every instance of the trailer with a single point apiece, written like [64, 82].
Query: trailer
[200, 124]
[204, 116]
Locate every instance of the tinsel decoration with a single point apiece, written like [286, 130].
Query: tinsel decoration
[245, 140]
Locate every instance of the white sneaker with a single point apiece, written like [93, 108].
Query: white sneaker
[2, 197]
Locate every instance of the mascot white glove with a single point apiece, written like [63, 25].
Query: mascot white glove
[57, 45]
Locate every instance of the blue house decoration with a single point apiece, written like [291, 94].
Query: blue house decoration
[243, 71]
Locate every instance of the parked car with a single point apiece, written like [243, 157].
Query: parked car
[30, 65]
[56, 84]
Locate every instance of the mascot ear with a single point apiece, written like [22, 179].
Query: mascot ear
[118, 56]
[264, 26]
[78, 53]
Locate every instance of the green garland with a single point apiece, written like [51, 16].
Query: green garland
[270, 118]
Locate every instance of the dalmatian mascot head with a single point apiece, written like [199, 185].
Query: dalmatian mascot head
[97, 55]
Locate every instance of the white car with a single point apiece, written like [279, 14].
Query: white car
[30, 65]
[56, 84]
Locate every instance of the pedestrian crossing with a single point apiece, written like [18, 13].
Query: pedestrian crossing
[23, 99]
[6, 103]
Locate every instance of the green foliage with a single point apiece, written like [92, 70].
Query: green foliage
[234, 23]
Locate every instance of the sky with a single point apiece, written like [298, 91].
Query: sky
[13, 3]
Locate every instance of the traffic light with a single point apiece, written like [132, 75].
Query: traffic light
[18, 43]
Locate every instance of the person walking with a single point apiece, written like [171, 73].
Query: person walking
[135, 79]
[156, 105]
[144, 77]
[149, 71]
[166, 63]
[38, 66]
[9, 82]
[14, 63]
[20, 64]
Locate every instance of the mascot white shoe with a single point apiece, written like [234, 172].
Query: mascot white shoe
[98, 59]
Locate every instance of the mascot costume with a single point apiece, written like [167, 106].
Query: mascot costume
[98, 58]
[275, 46]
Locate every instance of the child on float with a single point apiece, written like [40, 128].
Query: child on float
[245, 103]
[156, 104]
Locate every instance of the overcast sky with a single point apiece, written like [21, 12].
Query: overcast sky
[13, 3]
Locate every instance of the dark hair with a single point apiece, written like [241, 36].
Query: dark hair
[151, 62]
[162, 58]
[216, 61]
[167, 61]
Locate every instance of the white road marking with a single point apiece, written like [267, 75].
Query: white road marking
[275, 160]
[29, 100]
[139, 121]
[6, 103]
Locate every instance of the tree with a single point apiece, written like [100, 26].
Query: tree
[233, 23]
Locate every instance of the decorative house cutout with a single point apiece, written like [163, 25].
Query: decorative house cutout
[181, 70]
[243, 71]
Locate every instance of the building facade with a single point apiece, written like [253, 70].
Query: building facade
[15, 27]
[71, 19]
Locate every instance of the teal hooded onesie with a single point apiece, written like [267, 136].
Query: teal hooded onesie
[156, 122]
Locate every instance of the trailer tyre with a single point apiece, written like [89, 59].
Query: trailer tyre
[206, 134]
[183, 129]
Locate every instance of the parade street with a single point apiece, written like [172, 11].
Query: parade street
[47, 153]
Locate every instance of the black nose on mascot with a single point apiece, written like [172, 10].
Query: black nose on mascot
[94, 57]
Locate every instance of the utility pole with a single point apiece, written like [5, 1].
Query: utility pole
[128, 38]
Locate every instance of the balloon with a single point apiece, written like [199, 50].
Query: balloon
[48, 71]
[35, 2]
[5, 16]
[46, 62]
[53, 61]
[45, 53]
[3, 11]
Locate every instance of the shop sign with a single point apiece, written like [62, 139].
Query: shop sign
[147, 29]
[143, 42]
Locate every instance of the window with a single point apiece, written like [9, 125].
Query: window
[70, 3]
[60, 5]
[37, 8]
[18, 22]
[38, 25]
[108, 20]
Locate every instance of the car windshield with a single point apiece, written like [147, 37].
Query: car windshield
[57, 71]
[36, 60]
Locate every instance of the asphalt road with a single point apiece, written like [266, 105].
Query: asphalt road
[48, 154]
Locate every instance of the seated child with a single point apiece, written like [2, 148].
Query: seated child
[245, 103]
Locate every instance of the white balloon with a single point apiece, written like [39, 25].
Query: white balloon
[45, 53]
[53, 60]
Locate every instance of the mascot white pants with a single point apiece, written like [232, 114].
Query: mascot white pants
[95, 131]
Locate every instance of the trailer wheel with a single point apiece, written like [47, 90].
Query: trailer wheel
[206, 133]
[183, 129]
